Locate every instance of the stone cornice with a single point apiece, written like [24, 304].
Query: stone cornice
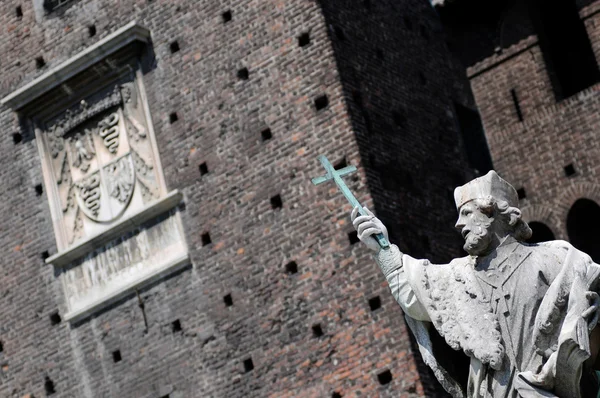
[115, 41]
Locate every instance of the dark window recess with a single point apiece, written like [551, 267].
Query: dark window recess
[336, 395]
[1, 347]
[422, 79]
[565, 45]
[541, 232]
[206, 239]
[39, 190]
[353, 237]
[339, 33]
[375, 303]
[515, 99]
[226, 16]
[243, 74]
[266, 134]
[317, 330]
[116, 356]
[424, 32]
[17, 138]
[166, 396]
[367, 5]
[248, 365]
[92, 30]
[203, 168]
[384, 377]
[173, 117]
[19, 12]
[582, 227]
[228, 300]
[55, 318]
[469, 124]
[174, 47]
[321, 102]
[50, 5]
[569, 170]
[408, 23]
[291, 268]
[176, 326]
[45, 255]
[379, 54]
[521, 193]
[49, 386]
[276, 202]
[39, 62]
[304, 39]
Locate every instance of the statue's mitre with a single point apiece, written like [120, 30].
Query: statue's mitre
[489, 185]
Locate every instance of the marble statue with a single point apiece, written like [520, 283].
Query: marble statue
[524, 314]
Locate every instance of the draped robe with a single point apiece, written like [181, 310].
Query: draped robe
[516, 313]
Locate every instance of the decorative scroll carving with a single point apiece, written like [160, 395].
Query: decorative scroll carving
[145, 174]
[109, 131]
[75, 116]
[90, 194]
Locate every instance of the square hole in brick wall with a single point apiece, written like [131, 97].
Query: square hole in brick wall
[45, 255]
[339, 33]
[341, 164]
[353, 237]
[243, 74]
[379, 54]
[321, 102]
[1, 347]
[174, 47]
[367, 4]
[408, 23]
[203, 168]
[384, 377]
[116, 356]
[39, 62]
[317, 330]
[422, 79]
[17, 138]
[521, 193]
[226, 16]
[276, 202]
[291, 267]
[39, 190]
[206, 239]
[399, 118]
[569, 170]
[55, 318]
[336, 395]
[173, 117]
[176, 326]
[248, 365]
[228, 300]
[375, 303]
[19, 12]
[92, 30]
[49, 386]
[266, 134]
[304, 39]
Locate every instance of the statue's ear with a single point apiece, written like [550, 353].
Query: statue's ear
[515, 216]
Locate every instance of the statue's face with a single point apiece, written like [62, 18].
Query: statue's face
[476, 229]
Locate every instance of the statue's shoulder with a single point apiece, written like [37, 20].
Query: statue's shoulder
[557, 247]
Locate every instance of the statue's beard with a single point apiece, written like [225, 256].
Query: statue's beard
[478, 240]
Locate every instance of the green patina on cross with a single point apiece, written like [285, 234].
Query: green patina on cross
[336, 176]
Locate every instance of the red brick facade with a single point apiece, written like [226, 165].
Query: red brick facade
[239, 322]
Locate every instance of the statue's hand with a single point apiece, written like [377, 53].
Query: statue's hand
[367, 226]
[591, 314]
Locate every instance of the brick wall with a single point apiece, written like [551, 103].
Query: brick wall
[315, 332]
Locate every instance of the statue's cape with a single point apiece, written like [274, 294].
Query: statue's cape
[450, 295]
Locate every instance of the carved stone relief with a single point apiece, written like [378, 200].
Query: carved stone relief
[103, 162]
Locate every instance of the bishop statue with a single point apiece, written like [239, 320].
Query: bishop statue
[525, 314]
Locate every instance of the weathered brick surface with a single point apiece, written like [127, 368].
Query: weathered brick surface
[407, 170]
[532, 153]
